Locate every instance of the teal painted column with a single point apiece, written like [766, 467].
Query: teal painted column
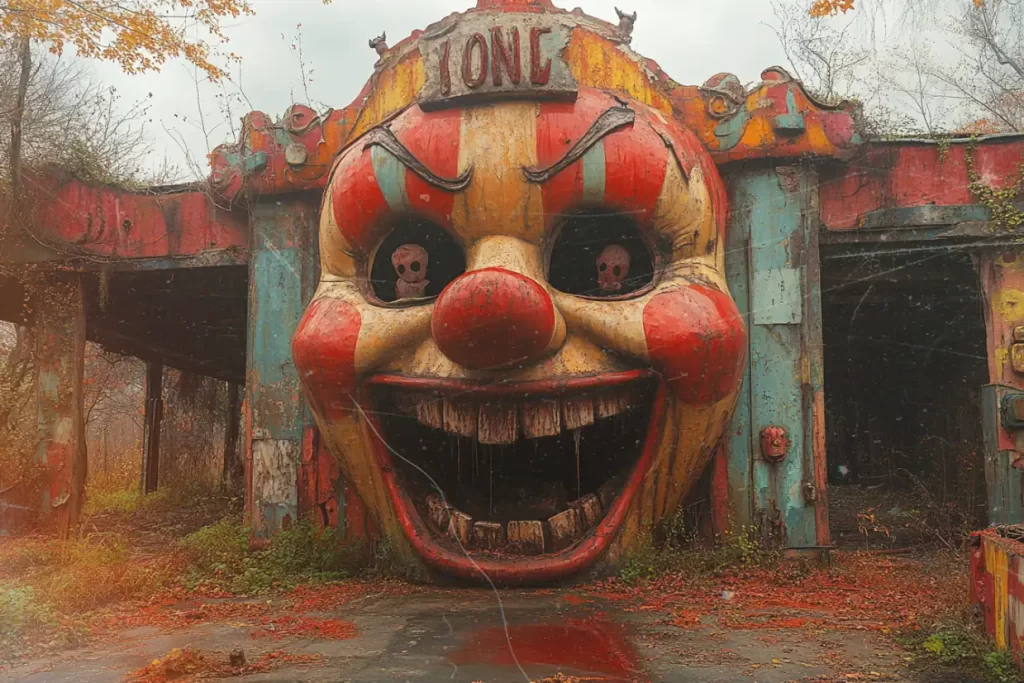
[772, 269]
[282, 274]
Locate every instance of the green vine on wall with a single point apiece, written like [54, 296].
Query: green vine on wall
[943, 144]
[1005, 214]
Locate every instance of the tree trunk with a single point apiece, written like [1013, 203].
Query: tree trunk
[16, 121]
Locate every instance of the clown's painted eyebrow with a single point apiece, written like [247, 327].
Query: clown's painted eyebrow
[383, 137]
[608, 122]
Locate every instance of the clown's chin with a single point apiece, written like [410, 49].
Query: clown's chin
[515, 474]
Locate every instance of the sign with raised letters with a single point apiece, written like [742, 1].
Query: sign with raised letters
[497, 55]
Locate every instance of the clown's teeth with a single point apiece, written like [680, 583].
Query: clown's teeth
[589, 509]
[609, 403]
[430, 411]
[577, 412]
[498, 423]
[488, 535]
[565, 529]
[541, 418]
[437, 511]
[460, 418]
[526, 536]
[461, 527]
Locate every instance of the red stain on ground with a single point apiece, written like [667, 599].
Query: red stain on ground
[324, 598]
[310, 627]
[573, 599]
[592, 645]
[869, 592]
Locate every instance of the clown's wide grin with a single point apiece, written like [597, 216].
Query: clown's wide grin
[519, 469]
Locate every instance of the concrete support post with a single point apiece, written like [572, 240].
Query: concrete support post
[1002, 281]
[60, 444]
[771, 467]
[151, 426]
[282, 274]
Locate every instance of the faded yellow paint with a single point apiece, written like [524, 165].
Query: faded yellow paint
[335, 257]
[497, 142]
[393, 89]
[597, 62]
[680, 213]
[1002, 357]
[1017, 358]
[758, 134]
[816, 138]
[684, 450]
[1010, 305]
[997, 565]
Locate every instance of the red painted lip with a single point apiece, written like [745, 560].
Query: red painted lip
[530, 570]
[540, 387]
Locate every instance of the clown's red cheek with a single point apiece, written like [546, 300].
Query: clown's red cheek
[324, 349]
[696, 338]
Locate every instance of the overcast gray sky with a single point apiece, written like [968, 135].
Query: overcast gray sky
[691, 39]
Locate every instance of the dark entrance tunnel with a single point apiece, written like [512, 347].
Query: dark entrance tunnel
[905, 358]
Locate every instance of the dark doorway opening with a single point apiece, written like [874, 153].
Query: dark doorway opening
[905, 358]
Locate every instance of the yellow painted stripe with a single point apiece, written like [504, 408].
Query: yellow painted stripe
[497, 141]
[996, 563]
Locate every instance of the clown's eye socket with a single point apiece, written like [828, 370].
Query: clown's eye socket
[417, 259]
[601, 255]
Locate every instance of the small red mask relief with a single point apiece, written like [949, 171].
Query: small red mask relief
[774, 443]
[612, 268]
[410, 263]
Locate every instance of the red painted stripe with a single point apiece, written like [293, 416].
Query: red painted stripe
[720, 489]
[358, 201]
[324, 350]
[696, 338]
[635, 161]
[433, 138]
[559, 126]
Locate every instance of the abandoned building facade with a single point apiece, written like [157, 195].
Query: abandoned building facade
[527, 296]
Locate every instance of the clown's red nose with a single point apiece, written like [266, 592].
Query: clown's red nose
[492, 317]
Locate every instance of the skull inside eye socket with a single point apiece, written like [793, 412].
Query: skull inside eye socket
[415, 260]
[600, 254]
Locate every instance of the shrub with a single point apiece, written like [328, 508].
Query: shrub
[217, 549]
[19, 609]
[219, 556]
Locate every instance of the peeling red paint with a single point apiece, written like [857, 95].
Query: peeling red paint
[907, 175]
[111, 222]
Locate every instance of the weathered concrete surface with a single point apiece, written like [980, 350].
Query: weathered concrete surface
[457, 635]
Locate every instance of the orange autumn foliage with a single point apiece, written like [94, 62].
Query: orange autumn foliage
[827, 8]
[139, 35]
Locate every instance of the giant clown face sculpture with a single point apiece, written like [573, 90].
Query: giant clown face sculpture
[554, 376]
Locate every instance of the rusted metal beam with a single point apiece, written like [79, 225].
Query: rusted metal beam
[60, 445]
[151, 427]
